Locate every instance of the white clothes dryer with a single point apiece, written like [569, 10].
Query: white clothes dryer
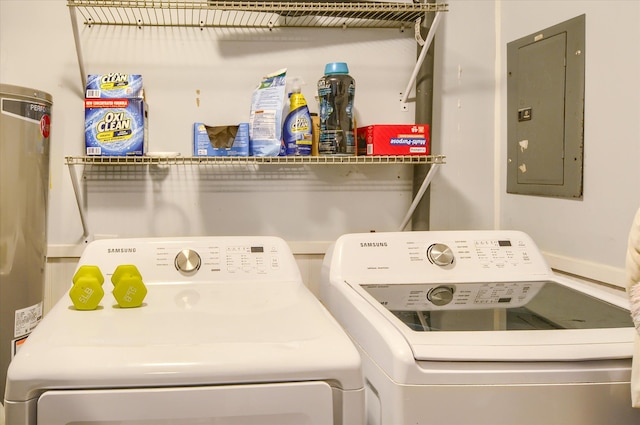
[227, 334]
[473, 327]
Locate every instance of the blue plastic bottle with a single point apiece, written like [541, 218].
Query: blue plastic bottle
[336, 92]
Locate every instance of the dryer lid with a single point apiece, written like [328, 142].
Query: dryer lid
[188, 334]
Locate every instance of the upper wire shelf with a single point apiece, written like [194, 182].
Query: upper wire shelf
[252, 14]
[204, 160]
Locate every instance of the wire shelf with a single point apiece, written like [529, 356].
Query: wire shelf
[208, 160]
[252, 14]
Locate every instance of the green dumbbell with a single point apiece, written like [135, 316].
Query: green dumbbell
[129, 290]
[87, 291]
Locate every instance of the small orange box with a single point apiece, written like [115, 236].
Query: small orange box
[400, 139]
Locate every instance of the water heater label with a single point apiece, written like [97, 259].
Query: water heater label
[27, 319]
[28, 111]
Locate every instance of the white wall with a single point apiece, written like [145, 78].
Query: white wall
[462, 195]
[585, 236]
[192, 75]
[588, 236]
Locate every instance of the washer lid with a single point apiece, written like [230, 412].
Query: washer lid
[503, 321]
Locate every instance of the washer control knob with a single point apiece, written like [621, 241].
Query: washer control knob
[187, 261]
[440, 254]
[440, 295]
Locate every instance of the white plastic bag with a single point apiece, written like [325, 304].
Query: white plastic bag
[265, 121]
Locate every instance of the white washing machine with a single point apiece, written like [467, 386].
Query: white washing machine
[472, 327]
[227, 334]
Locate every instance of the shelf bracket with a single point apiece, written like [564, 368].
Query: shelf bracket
[76, 190]
[423, 53]
[76, 39]
[423, 188]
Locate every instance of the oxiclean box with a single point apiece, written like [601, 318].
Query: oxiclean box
[399, 139]
[114, 86]
[115, 127]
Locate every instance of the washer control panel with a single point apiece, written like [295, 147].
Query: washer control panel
[439, 257]
[440, 254]
[485, 252]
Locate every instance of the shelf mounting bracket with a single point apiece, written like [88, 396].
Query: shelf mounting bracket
[76, 190]
[416, 200]
[76, 39]
[423, 53]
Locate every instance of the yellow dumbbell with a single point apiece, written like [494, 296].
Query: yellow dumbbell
[87, 291]
[129, 290]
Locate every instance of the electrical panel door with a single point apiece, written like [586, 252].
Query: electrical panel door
[545, 111]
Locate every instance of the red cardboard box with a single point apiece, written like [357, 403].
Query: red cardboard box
[402, 139]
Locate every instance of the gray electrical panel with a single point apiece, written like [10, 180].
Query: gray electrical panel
[545, 111]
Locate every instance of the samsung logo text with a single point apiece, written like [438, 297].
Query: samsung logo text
[120, 250]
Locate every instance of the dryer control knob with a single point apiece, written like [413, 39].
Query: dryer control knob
[187, 261]
[440, 254]
[440, 295]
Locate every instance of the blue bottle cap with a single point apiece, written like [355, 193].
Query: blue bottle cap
[336, 68]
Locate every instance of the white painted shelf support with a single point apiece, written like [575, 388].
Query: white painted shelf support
[76, 39]
[423, 53]
[79, 200]
[416, 200]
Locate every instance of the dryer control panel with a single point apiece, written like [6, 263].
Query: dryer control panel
[197, 259]
[439, 257]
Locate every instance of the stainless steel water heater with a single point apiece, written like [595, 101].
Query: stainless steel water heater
[25, 119]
